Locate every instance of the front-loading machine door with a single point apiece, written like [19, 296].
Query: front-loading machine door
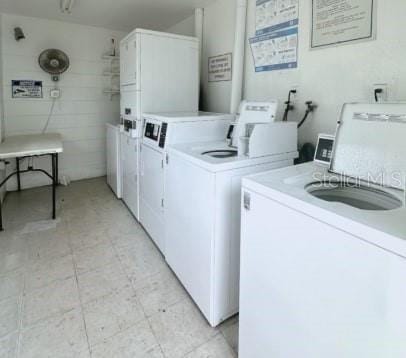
[152, 194]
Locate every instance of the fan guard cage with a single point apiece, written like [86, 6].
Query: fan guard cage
[53, 61]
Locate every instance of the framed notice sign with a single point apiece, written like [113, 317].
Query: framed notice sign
[26, 89]
[220, 68]
[342, 21]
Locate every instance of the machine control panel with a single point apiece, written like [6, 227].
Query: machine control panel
[152, 131]
[129, 124]
[127, 111]
[130, 128]
[324, 150]
[162, 137]
[258, 112]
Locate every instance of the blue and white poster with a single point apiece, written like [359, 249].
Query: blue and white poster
[273, 15]
[276, 50]
[26, 89]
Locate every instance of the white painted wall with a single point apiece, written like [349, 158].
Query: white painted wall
[218, 39]
[81, 113]
[185, 27]
[328, 76]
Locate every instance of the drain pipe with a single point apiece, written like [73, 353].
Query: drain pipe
[199, 13]
[238, 55]
[199, 17]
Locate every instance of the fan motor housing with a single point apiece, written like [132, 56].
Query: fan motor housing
[53, 61]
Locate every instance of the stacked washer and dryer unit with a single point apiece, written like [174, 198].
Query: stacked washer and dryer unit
[158, 72]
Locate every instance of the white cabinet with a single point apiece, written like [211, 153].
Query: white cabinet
[128, 63]
[310, 290]
[130, 160]
[114, 175]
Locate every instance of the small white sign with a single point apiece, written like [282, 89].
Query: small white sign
[26, 89]
[341, 21]
[220, 68]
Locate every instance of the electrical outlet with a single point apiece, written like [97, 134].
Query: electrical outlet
[380, 92]
[294, 88]
[55, 93]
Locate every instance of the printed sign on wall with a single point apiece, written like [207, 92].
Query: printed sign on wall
[26, 89]
[272, 15]
[276, 50]
[275, 44]
[220, 68]
[341, 21]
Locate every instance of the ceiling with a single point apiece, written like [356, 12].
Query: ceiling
[123, 15]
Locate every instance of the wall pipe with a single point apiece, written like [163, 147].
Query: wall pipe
[238, 55]
[199, 14]
[199, 18]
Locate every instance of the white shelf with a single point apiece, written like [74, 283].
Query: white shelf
[109, 57]
[111, 74]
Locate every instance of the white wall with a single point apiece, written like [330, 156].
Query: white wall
[81, 113]
[218, 39]
[328, 76]
[185, 27]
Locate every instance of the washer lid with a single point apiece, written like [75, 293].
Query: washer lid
[371, 143]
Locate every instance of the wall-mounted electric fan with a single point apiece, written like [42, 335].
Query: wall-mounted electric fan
[55, 62]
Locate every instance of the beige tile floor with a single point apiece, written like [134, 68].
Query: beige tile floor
[92, 283]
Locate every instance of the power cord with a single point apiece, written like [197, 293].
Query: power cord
[377, 92]
[289, 106]
[49, 116]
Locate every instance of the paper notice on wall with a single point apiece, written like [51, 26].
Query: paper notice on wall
[272, 15]
[220, 68]
[276, 50]
[341, 21]
[26, 89]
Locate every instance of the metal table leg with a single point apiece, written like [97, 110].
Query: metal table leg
[18, 174]
[57, 169]
[1, 217]
[54, 175]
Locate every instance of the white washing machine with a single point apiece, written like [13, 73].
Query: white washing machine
[202, 213]
[323, 249]
[161, 131]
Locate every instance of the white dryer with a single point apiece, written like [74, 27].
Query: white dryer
[202, 214]
[323, 249]
[130, 161]
[161, 131]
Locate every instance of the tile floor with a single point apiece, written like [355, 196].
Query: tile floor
[92, 283]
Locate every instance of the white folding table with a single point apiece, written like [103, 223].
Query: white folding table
[33, 145]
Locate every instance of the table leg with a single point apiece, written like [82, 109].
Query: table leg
[1, 217]
[54, 173]
[57, 169]
[18, 174]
